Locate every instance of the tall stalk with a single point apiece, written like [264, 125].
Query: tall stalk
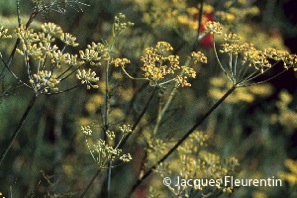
[106, 122]
[188, 133]
[19, 127]
[90, 183]
[121, 143]
[173, 92]
[34, 13]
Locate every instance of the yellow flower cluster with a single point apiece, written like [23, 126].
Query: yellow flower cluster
[234, 13]
[125, 129]
[288, 59]
[88, 78]
[43, 81]
[120, 24]
[86, 130]
[190, 16]
[68, 39]
[213, 27]
[156, 64]
[102, 151]
[225, 16]
[198, 57]
[120, 62]
[286, 116]
[43, 57]
[52, 29]
[192, 160]
[94, 54]
[3, 33]
[251, 56]
[291, 176]
[164, 13]
[94, 102]
[159, 65]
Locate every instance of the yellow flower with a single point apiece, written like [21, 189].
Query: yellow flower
[213, 27]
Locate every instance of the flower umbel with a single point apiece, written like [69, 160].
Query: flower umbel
[160, 67]
[247, 63]
[88, 78]
[120, 24]
[103, 151]
[213, 27]
[3, 33]
[44, 80]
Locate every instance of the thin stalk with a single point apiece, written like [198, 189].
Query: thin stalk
[105, 128]
[61, 78]
[12, 73]
[200, 18]
[166, 106]
[133, 78]
[231, 67]
[35, 11]
[90, 183]
[173, 92]
[218, 59]
[188, 133]
[124, 138]
[138, 120]
[19, 13]
[19, 127]
[106, 100]
[63, 91]
[260, 82]
[106, 123]
[195, 46]
[250, 78]
[243, 72]
[235, 67]
[109, 178]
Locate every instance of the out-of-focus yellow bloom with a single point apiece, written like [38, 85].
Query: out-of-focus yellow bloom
[291, 175]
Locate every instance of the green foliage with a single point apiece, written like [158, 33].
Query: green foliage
[156, 70]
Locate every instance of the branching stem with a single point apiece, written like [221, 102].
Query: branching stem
[188, 133]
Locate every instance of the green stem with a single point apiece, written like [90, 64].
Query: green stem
[138, 120]
[19, 127]
[106, 101]
[189, 132]
[166, 106]
[90, 183]
[162, 113]
[105, 122]
[35, 11]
